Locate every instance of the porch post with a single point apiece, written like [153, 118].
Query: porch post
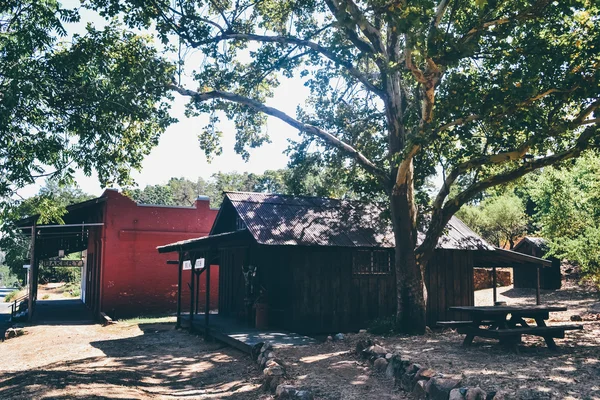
[31, 277]
[207, 307]
[538, 299]
[179, 278]
[198, 288]
[192, 262]
[494, 284]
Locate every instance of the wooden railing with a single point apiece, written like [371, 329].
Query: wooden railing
[14, 307]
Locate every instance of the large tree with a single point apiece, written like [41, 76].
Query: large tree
[487, 89]
[93, 101]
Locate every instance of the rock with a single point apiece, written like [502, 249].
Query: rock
[380, 365]
[576, 317]
[266, 347]
[276, 370]
[256, 350]
[289, 392]
[419, 390]
[475, 393]
[457, 394]
[439, 388]
[339, 336]
[423, 374]
[396, 368]
[406, 381]
[271, 383]
[329, 338]
[304, 395]
[362, 345]
[263, 361]
[285, 392]
[270, 355]
[271, 363]
[490, 395]
[389, 356]
[362, 331]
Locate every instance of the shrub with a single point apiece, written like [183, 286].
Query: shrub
[12, 296]
[382, 326]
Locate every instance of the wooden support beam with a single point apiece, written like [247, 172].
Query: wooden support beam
[207, 306]
[538, 299]
[494, 284]
[192, 291]
[30, 300]
[179, 279]
[197, 273]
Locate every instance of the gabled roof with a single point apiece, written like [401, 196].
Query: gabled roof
[275, 219]
[538, 242]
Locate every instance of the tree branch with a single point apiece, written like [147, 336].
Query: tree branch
[348, 26]
[370, 31]
[310, 129]
[353, 71]
[441, 215]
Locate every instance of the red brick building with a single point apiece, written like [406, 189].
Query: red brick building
[122, 274]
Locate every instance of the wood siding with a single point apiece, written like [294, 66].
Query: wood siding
[231, 282]
[313, 290]
[449, 282]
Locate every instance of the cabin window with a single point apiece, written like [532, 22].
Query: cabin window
[239, 223]
[371, 262]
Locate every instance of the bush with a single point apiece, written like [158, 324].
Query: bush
[12, 296]
[382, 326]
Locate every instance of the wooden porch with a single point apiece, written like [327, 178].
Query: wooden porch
[240, 336]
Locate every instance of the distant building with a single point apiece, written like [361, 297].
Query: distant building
[550, 278]
[122, 274]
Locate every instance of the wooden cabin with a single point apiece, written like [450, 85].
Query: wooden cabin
[324, 265]
[550, 278]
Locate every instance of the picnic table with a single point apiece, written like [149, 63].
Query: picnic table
[494, 322]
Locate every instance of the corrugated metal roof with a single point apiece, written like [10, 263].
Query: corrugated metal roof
[274, 219]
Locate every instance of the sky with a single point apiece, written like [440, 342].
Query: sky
[178, 153]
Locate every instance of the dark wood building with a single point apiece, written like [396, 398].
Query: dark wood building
[550, 278]
[326, 265]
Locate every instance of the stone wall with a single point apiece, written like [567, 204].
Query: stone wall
[482, 277]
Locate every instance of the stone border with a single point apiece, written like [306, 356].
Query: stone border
[421, 382]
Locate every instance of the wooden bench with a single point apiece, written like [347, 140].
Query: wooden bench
[513, 335]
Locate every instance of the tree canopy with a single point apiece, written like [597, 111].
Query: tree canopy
[96, 102]
[488, 90]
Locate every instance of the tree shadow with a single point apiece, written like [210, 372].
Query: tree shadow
[159, 362]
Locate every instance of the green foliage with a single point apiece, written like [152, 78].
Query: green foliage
[499, 219]
[8, 278]
[382, 326]
[183, 192]
[97, 102]
[12, 296]
[567, 203]
[49, 205]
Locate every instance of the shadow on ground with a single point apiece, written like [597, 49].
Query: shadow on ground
[156, 363]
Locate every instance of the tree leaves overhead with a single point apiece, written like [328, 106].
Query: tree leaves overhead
[97, 102]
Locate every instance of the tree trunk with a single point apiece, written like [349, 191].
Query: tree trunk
[410, 289]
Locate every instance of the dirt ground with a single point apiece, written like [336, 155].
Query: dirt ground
[54, 291]
[142, 359]
[123, 361]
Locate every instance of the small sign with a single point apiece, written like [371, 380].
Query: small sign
[62, 263]
[187, 264]
[26, 266]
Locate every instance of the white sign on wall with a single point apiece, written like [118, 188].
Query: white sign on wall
[187, 264]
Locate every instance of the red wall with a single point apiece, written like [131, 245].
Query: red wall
[135, 278]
